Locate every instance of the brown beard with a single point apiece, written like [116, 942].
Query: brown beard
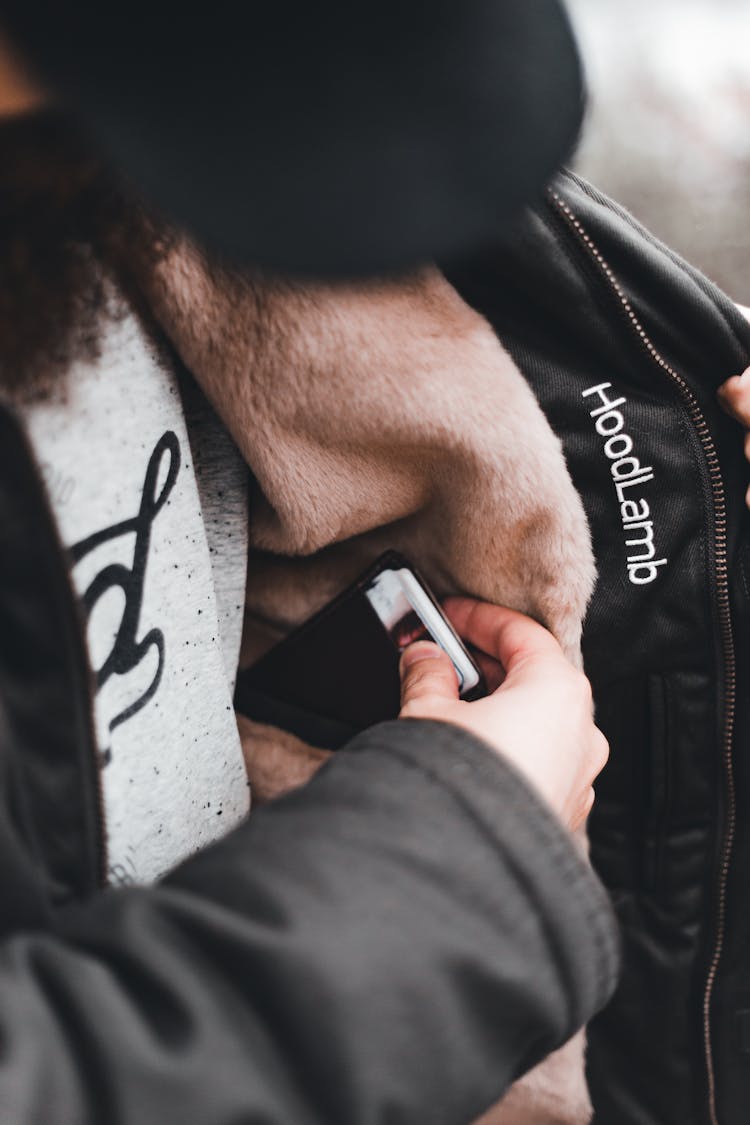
[65, 225]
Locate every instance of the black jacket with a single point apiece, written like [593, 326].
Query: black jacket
[625, 345]
[396, 942]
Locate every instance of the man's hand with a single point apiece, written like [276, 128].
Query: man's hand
[540, 717]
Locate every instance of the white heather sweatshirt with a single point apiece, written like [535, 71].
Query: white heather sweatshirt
[150, 498]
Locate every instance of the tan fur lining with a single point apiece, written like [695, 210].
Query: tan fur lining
[387, 415]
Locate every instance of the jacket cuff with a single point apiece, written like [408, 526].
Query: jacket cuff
[547, 856]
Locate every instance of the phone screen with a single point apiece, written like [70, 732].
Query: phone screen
[409, 613]
[339, 671]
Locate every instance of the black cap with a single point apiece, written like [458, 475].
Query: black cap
[330, 138]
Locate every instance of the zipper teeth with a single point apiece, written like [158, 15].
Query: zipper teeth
[725, 625]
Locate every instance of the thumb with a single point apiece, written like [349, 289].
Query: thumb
[426, 674]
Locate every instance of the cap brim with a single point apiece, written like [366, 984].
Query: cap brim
[327, 139]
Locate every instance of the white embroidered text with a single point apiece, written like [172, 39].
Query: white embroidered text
[627, 474]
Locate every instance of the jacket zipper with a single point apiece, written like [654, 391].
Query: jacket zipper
[721, 575]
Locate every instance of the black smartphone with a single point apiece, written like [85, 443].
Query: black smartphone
[338, 672]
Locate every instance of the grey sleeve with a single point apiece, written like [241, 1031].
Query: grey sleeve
[395, 942]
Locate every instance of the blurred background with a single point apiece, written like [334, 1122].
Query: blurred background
[668, 127]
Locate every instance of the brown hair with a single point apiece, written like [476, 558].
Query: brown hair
[65, 224]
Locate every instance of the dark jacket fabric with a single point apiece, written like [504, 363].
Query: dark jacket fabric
[625, 345]
[395, 942]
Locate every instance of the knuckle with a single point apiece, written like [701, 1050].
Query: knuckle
[429, 706]
[601, 751]
[581, 689]
[424, 677]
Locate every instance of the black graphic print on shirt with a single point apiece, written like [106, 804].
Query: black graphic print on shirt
[128, 651]
[119, 463]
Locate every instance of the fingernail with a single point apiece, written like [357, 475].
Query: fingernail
[419, 650]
